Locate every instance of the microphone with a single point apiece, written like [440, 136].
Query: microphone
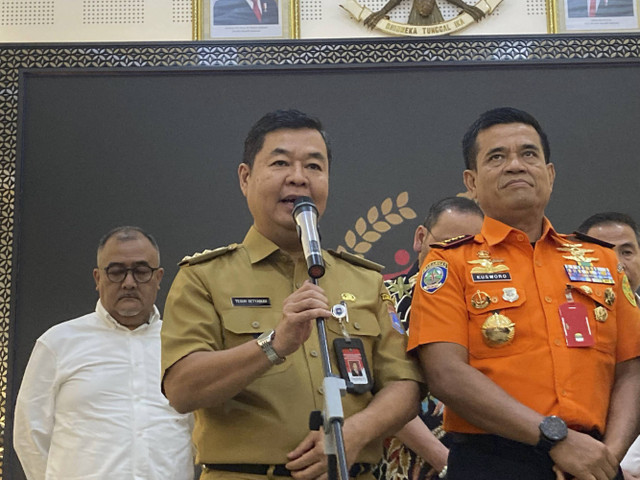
[305, 215]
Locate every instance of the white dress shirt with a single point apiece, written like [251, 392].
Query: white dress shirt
[90, 406]
[631, 461]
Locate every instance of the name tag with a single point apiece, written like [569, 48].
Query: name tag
[491, 277]
[251, 301]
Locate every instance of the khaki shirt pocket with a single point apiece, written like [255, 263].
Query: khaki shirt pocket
[247, 324]
[363, 324]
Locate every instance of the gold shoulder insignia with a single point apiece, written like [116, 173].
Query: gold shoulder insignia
[587, 238]
[207, 255]
[387, 298]
[357, 260]
[453, 242]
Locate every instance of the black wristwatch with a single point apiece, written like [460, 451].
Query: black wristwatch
[552, 430]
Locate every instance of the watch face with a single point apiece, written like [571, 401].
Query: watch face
[554, 428]
[266, 337]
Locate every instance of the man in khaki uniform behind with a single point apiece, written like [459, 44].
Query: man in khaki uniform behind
[239, 347]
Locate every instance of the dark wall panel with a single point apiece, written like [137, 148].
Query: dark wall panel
[160, 149]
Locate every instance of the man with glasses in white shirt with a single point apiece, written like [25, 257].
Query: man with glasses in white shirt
[90, 404]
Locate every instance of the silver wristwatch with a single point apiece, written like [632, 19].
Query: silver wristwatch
[265, 341]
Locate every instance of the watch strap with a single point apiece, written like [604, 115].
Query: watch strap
[544, 444]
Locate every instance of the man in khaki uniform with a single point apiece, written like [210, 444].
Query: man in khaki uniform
[239, 347]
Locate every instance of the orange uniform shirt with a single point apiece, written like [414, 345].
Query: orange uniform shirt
[537, 368]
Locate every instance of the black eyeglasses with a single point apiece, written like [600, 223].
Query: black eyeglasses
[118, 272]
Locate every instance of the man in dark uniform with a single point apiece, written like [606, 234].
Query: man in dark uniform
[527, 335]
[239, 346]
[420, 450]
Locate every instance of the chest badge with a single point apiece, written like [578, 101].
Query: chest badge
[488, 269]
[587, 289]
[480, 300]
[510, 294]
[341, 314]
[609, 296]
[578, 254]
[600, 313]
[348, 297]
[498, 330]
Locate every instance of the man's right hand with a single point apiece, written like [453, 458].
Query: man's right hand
[299, 310]
[584, 457]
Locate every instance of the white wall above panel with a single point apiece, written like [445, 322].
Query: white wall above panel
[171, 20]
[94, 20]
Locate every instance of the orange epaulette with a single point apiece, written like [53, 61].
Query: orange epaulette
[453, 242]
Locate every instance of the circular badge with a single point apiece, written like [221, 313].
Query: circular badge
[498, 330]
[339, 311]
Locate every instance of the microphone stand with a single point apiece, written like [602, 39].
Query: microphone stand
[332, 417]
[305, 215]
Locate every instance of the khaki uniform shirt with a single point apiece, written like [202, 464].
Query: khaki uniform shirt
[231, 299]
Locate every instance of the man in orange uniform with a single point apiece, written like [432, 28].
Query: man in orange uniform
[529, 337]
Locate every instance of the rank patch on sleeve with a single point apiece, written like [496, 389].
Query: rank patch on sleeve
[434, 276]
[396, 323]
[393, 316]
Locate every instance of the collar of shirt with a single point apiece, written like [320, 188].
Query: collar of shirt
[113, 323]
[260, 247]
[494, 231]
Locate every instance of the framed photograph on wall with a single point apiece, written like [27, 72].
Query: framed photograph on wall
[246, 19]
[569, 16]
